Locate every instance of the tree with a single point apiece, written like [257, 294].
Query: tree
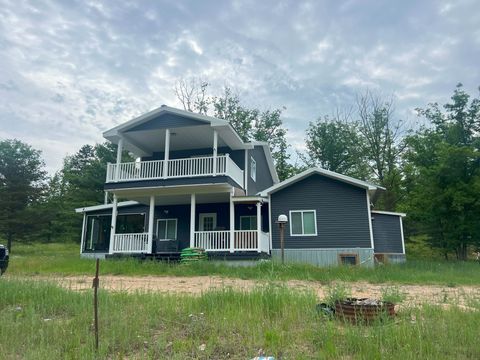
[443, 177]
[336, 144]
[22, 180]
[249, 123]
[383, 145]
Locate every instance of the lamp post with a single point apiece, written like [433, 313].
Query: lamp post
[282, 221]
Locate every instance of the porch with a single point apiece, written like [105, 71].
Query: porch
[216, 222]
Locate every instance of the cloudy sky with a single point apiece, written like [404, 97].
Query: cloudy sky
[72, 69]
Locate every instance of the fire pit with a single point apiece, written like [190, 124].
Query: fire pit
[363, 310]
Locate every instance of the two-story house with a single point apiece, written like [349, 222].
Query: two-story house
[195, 183]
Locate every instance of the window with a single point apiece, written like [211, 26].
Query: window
[97, 234]
[248, 222]
[348, 259]
[167, 229]
[303, 223]
[130, 223]
[253, 169]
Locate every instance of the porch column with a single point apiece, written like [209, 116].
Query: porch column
[259, 225]
[113, 224]
[232, 223]
[151, 219]
[166, 153]
[215, 144]
[119, 158]
[192, 220]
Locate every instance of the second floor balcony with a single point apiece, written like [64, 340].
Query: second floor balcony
[202, 166]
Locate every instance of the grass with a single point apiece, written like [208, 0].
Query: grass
[41, 321]
[64, 259]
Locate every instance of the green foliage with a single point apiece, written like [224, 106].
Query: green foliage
[336, 145]
[337, 292]
[392, 294]
[63, 259]
[443, 176]
[42, 321]
[22, 182]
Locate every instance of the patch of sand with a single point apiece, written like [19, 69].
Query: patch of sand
[415, 294]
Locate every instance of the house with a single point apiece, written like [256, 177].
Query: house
[195, 183]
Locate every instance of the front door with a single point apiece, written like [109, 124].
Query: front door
[207, 221]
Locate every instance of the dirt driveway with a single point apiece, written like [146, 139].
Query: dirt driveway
[416, 294]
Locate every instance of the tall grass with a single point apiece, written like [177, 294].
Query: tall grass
[64, 259]
[42, 321]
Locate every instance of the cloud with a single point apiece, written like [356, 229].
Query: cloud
[70, 70]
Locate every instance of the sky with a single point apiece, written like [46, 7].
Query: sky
[70, 70]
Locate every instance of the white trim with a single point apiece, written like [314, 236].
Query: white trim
[269, 157]
[317, 170]
[245, 173]
[248, 216]
[401, 232]
[302, 211]
[202, 216]
[215, 145]
[249, 199]
[259, 225]
[253, 169]
[166, 154]
[151, 216]
[270, 230]
[166, 226]
[389, 213]
[119, 158]
[82, 240]
[105, 206]
[370, 226]
[192, 219]
[232, 222]
[113, 224]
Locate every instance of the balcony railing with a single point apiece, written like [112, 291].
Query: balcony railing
[174, 169]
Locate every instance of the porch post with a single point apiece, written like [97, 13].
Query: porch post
[113, 224]
[232, 224]
[215, 144]
[166, 153]
[192, 220]
[151, 219]
[259, 225]
[119, 158]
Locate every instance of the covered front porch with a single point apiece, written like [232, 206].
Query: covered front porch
[216, 222]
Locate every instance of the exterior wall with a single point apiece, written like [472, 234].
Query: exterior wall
[387, 233]
[264, 178]
[236, 155]
[323, 257]
[164, 121]
[341, 209]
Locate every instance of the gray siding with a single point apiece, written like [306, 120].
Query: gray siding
[165, 121]
[264, 178]
[324, 257]
[387, 235]
[342, 213]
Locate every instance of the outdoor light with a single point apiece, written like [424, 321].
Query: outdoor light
[281, 221]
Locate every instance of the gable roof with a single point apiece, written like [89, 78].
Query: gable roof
[320, 171]
[269, 157]
[223, 127]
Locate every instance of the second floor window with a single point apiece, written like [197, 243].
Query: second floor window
[253, 169]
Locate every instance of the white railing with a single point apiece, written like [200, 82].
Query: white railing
[176, 168]
[213, 240]
[131, 243]
[246, 240]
